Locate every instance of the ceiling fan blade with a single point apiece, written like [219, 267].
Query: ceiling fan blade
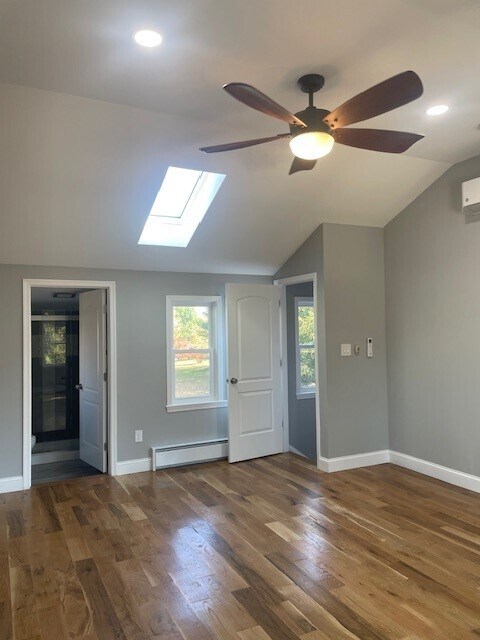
[257, 100]
[383, 97]
[299, 164]
[231, 146]
[376, 139]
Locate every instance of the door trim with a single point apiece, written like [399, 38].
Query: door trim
[284, 282]
[109, 286]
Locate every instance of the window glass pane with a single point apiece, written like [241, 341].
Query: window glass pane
[54, 343]
[192, 375]
[307, 368]
[191, 327]
[306, 325]
[58, 353]
[176, 189]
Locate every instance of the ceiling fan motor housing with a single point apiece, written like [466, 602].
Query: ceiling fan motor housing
[313, 118]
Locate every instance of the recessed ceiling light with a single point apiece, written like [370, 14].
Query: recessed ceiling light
[437, 110]
[147, 38]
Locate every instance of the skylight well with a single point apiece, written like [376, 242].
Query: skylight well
[181, 203]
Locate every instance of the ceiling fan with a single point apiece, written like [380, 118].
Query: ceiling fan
[314, 131]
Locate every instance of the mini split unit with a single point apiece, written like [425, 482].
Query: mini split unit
[471, 196]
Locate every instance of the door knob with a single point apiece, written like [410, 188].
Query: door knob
[233, 381]
[79, 387]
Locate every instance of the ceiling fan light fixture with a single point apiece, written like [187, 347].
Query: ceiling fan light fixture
[311, 145]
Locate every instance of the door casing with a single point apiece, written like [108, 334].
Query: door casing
[284, 282]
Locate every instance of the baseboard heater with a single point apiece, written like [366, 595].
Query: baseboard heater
[181, 454]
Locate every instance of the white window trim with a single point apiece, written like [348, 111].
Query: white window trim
[301, 392]
[217, 399]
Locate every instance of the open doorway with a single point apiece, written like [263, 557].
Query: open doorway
[301, 379]
[69, 400]
[300, 366]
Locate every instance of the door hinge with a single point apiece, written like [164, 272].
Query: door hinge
[283, 426]
[105, 377]
[281, 362]
[105, 446]
[104, 308]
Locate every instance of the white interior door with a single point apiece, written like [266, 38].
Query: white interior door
[92, 352]
[254, 395]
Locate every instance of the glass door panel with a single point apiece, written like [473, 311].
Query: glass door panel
[54, 376]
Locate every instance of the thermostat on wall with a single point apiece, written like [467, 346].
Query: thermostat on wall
[369, 347]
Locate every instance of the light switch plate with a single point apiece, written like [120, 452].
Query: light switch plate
[345, 350]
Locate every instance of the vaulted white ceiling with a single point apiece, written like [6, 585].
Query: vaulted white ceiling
[89, 122]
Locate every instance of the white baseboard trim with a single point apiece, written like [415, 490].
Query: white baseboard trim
[431, 469]
[296, 451]
[343, 463]
[163, 457]
[124, 467]
[452, 476]
[14, 483]
[45, 457]
[330, 465]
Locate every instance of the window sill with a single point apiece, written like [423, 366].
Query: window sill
[305, 395]
[194, 406]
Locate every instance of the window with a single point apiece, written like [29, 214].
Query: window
[54, 343]
[194, 363]
[180, 205]
[305, 346]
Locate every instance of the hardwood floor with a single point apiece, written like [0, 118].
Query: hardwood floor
[271, 548]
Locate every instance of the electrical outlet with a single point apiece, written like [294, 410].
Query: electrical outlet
[138, 435]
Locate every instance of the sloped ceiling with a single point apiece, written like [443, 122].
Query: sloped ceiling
[89, 122]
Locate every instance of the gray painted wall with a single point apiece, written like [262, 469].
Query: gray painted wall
[141, 358]
[349, 263]
[301, 412]
[432, 264]
[355, 310]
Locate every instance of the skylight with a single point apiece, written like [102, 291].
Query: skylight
[181, 203]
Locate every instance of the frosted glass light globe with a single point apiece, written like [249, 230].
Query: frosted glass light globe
[311, 145]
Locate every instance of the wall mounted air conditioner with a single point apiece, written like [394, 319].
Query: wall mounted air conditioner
[471, 196]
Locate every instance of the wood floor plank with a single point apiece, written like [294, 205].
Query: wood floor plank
[24, 613]
[106, 622]
[16, 524]
[6, 623]
[254, 633]
[75, 609]
[269, 549]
